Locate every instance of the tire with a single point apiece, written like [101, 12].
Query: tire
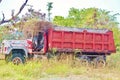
[84, 60]
[18, 59]
[101, 61]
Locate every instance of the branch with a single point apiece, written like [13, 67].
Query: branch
[13, 16]
[3, 20]
[0, 1]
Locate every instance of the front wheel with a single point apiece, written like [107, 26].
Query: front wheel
[18, 59]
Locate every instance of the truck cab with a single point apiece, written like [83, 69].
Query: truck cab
[15, 50]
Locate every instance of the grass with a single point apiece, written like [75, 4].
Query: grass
[35, 70]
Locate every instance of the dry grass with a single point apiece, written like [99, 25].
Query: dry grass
[38, 69]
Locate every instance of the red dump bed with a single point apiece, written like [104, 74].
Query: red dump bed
[86, 40]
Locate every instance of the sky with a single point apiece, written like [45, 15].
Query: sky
[60, 7]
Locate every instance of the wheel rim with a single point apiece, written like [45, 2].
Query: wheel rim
[84, 62]
[101, 63]
[17, 60]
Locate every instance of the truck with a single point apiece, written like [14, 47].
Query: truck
[88, 45]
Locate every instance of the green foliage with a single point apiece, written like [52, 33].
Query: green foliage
[49, 6]
[7, 33]
[61, 21]
[4, 34]
[116, 35]
[87, 18]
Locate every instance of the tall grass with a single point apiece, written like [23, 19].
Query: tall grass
[37, 69]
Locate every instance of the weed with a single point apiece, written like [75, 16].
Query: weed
[34, 70]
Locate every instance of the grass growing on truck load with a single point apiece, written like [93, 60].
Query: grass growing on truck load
[52, 70]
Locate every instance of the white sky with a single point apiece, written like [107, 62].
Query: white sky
[60, 7]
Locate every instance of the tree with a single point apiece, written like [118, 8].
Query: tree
[0, 1]
[61, 21]
[32, 13]
[87, 18]
[49, 5]
[13, 16]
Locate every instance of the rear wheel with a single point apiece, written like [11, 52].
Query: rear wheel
[84, 60]
[101, 61]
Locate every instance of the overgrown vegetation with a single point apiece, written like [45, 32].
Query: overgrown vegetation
[37, 69]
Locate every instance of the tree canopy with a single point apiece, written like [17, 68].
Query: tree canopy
[87, 18]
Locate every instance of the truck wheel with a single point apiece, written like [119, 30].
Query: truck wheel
[84, 62]
[94, 62]
[101, 61]
[18, 59]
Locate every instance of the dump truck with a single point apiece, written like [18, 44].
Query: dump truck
[88, 45]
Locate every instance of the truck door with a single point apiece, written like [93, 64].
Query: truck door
[38, 41]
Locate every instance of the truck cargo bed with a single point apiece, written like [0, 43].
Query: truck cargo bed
[85, 40]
